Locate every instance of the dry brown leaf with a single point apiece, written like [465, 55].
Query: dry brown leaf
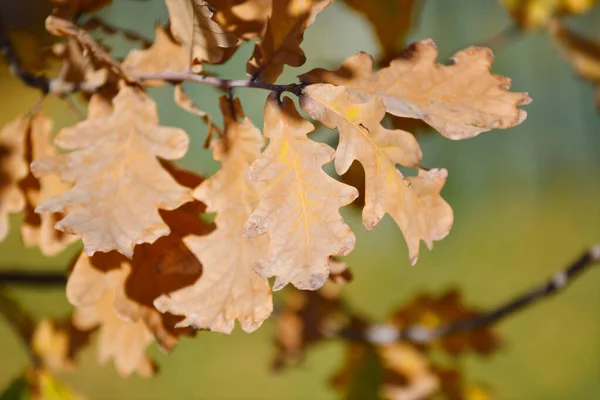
[460, 101]
[246, 19]
[280, 43]
[431, 312]
[203, 40]
[122, 340]
[300, 210]
[391, 20]
[57, 343]
[38, 230]
[414, 202]
[119, 184]
[532, 14]
[582, 52]
[229, 289]
[165, 55]
[13, 168]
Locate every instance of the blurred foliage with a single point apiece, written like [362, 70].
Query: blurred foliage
[525, 202]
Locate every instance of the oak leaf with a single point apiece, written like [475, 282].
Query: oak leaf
[460, 101]
[300, 209]
[57, 343]
[392, 20]
[228, 289]
[164, 55]
[582, 52]
[38, 230]
[413, 202]
[204, 40]
[280, 43]
[246, 19]
[119, 184]
[13, 168]
[533, 14]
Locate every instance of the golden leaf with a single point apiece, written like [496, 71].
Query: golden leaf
[460, 101]
[246, 19]
[202, 38]
[532, 14]
[13, 168]
[391, 20]
[414, 202]
[280, 43]
[165, 55]
[119, 184]
[38, 230]
[228, 289]
[300, 210]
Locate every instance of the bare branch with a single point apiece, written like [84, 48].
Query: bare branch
[18, 276]
[389, 333]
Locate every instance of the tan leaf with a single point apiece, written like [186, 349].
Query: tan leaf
[391, 20]
[414, 203]
[165, 55]
[57, 343]
[77, 67]
[532, 14]
[280, 44]
[582, 52]
[13, 168]
[123, 341]
[38, 230]
[118, 183]
[202, 38]
[300, 210]
[460, 101]
[246, 19]
[229, 289]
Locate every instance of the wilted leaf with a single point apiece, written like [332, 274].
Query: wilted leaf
[38, 230]
[165, 55]
[532, 14]
[582, 52]
[280, 43]
[300, 210]
[229, 289]
[391, 20]
[57, 343]
[431, 312]
[246, 19]
[114, 161]
[203, 39]
[414, 202]
[13, 168]
[460, 101]
[77, 66]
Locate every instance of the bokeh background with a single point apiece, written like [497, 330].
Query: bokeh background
[526, 202]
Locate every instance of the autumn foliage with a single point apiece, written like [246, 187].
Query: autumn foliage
[152, 269]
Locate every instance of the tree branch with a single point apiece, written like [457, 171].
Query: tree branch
[389, 333]
[33, 278]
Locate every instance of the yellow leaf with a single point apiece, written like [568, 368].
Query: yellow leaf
[460, 101]
[244, 18]
[228, 289]
[203, 40]
[532, 14]
[13, 168]
[300, 210]
[165, 55]
[280, 43]
[38, 230]
[414, 202]
[119, 184]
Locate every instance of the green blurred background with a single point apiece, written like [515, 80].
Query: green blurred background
[526, 202]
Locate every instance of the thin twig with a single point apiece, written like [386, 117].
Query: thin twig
[33, 278]
[389, 333]
[178, 77]
[502, 39]
[20, 322]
